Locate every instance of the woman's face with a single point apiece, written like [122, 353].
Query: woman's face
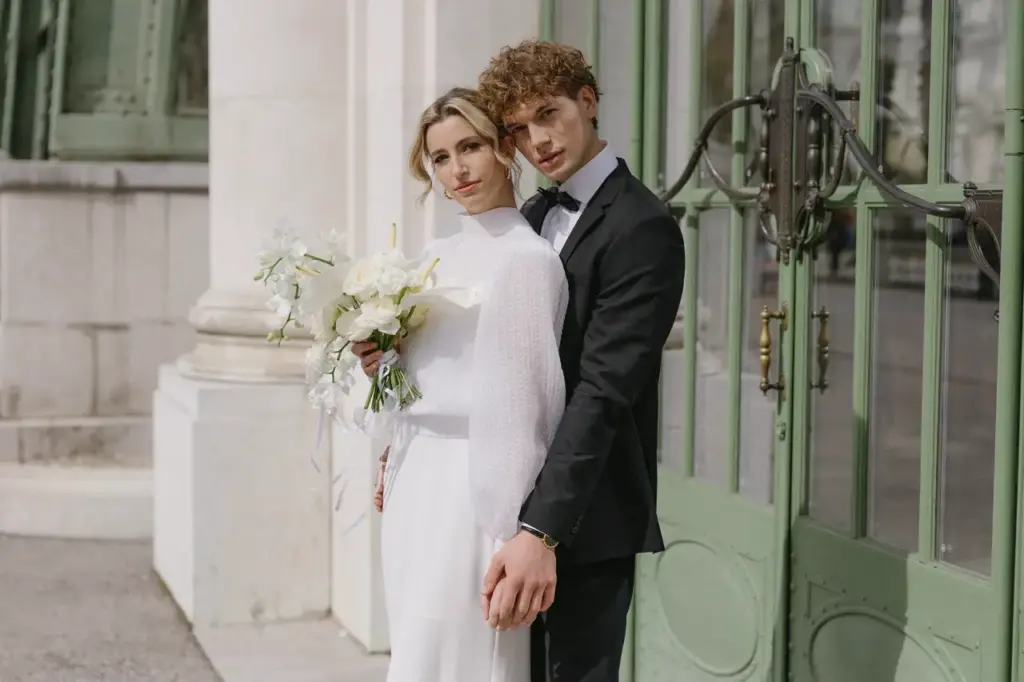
[466, 165]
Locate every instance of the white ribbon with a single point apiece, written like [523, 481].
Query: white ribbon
[388, 360]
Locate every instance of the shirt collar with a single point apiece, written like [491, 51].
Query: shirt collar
[585, 182]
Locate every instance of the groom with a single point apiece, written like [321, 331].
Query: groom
[593, 507]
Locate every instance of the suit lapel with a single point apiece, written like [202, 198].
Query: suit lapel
[534, 211]
[594, 211]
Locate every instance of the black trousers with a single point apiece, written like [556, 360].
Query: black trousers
[581, 636]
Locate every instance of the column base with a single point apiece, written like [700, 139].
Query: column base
[231, 340]
[241, 519]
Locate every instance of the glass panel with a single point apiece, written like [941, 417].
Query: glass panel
[572, 24]
[839, 37]
[894, 457]
[193, 59]
[757, 412]
[978, 91]
[904, 60]
[717, 78]
[680, 131]
[617, 73]
[969, 411]
[832, 425]
[671, 448]
[712, 390]
[768, 38]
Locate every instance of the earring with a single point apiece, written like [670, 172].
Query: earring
[508, 172]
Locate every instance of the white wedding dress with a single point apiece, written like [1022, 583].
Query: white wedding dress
[465, 456]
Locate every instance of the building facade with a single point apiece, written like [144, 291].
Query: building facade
[840, 444]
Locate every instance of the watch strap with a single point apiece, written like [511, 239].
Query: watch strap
[548, 541]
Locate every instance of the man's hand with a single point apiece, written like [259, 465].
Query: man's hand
[525, 570]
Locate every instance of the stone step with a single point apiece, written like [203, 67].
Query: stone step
[76, 502]
[301, 651]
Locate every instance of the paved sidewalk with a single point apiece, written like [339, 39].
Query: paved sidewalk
[83, 611]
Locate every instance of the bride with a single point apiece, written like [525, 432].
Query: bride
[464, 457]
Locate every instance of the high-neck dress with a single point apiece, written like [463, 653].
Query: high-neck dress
[465, 456]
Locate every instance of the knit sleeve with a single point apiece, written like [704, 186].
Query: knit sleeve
[518, 386]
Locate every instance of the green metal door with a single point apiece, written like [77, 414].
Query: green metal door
[839, 484]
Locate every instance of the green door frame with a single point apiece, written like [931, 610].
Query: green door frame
[999, 593]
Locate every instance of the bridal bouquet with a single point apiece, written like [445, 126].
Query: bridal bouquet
[342, 301]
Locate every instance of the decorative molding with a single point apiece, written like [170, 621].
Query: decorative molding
[104, 176]
[231, 343]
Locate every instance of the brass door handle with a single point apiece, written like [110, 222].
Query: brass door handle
[822, 316]
[766, 349]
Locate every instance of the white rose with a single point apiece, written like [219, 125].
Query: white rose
[393, 280]
[418, 317]
[380, 314]
[361, 279]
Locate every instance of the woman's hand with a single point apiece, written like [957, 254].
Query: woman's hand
[369, 355]
[378, 496]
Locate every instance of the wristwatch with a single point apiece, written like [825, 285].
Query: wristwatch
[548, 541]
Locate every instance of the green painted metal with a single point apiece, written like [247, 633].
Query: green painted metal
[12, 37]
[837, 586]
[1007, 518]
[894, 599]
[864, 298]
[653, 65]
[96, 80]
[60, 63]
[721, 557]
[44, 67]
[738, 250]
[548, 14]
[109, 137]
[636, 122]
[936, 250]
[116, 105]
[691, 281]
[28, 46]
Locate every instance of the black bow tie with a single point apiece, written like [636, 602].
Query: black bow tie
[554, 196]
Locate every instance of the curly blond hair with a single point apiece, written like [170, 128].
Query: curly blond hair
[466, 104]
[534, 70]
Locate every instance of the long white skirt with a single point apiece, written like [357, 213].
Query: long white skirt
[434, 558]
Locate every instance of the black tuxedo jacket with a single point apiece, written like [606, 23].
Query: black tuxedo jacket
[624, 259]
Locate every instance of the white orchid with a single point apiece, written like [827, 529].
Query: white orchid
[283, 249]
[321, 299]
[285, 298]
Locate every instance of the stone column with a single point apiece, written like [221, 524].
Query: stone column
[241, 519]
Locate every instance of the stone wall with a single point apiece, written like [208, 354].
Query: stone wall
[99, 266]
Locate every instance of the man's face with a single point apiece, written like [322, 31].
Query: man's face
[556, 135]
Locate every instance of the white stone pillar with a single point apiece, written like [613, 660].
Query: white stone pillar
[241, 519]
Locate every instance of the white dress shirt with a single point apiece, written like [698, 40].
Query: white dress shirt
[559, 221]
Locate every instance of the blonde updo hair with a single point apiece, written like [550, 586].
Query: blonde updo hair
[466, 104]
